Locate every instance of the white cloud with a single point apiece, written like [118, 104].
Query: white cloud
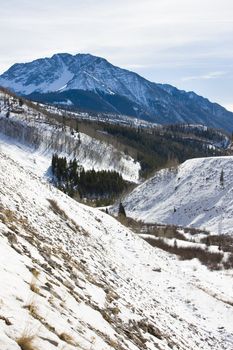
[207, 76]
[162, 39]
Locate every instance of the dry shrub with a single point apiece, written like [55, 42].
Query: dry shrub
[60, 212]
[35, 273]
[195, 231]
[67, 338]
[25, 342]
[34, 288]
[56, 209]
[14, 222]
[6, 215]
[210, 259]
[224, 241]
[33, 310]
[157, 230]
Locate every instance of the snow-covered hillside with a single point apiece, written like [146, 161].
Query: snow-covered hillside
[39, 135]
[190, 195]
[72, 277]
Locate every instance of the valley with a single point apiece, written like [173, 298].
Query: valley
[116, 175]
[158, 278]
[86, 281]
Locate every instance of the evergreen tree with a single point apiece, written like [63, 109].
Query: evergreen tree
[121, 211]
[222, 178]
[72, 178]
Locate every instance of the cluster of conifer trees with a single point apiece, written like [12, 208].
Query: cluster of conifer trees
[73, 179]
[156, 148]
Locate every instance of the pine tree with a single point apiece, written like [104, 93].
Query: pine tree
[121, 211]
[222, 178]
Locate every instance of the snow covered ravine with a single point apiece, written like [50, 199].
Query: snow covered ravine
[190, 195]
[72, 277]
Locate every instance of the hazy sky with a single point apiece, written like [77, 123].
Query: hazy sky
[187, 43]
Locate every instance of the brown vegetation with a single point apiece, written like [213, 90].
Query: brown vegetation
[210, 259]
[25, 342]
[67, 338]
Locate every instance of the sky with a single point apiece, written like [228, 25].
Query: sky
[186, 43]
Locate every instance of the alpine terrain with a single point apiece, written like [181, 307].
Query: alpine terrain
[91, 83]
[73, 277]
[116, 186]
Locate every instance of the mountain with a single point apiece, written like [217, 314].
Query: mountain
[194, 194]
[92, 83]
[72, 277]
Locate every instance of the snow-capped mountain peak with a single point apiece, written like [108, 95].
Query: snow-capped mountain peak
[114, 89]
[52, 74]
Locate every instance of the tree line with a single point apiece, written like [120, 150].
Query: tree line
[70, 177]
[158, 147]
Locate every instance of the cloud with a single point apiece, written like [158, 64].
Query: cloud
[164, 40]
[211, 75]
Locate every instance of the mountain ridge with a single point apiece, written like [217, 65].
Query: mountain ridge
[159, 103]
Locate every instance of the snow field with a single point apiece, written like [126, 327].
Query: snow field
[97, 285]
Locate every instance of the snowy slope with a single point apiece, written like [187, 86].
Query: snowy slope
[114, 90]
[39, 135]
[74, 278]
[189, 195]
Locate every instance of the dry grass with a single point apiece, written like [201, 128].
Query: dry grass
[57, 210]
[210, 259]
[67, 338]
[7, 216]
[15, 223]
[33, 310]
[70, 222]
[111, 295]
[35, 273]
[34, 288]
[114, 310]
[157, 230]
[160, 230]
[25, 342]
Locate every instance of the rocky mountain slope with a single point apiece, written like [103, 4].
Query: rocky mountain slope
[87, 82]
[75, 278]
[198, 193]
